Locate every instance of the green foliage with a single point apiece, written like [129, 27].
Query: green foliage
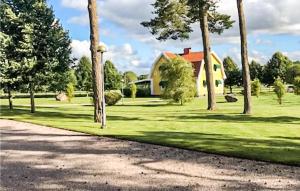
[276, 67]
[297, 85]
[133, 90]
[233, 74]
[256, 70]
[279, 90]
[143, 77]
[112, 78]
[174, 18]
[61, 80]
[129, 76]
[179, 77]
[70, 91]
[293, 72]
[38, 50]
[112, 97]
[256, 87]
[140, 92]
[83, 73]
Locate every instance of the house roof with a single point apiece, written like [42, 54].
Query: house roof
[195, 58]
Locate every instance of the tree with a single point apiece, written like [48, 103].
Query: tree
[83, 73]
[96, 69]
[244, 56]
[61, 80]
[129, 76]
[279, 89]
[70, 91]
[112, 78]
[233, 74]
[293, 72]
[276, 67]
[43, 47]
[133, 90]
[15, 39]
[256, 70]
[297, 85]
[174, 19]
[178, 76]
[256, 87]
[143, 77]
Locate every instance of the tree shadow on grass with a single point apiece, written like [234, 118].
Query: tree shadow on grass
[28, 172]
[241, 118]
[273, 150]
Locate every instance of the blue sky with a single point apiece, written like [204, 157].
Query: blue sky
[271, 27]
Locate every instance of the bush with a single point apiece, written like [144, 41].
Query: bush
[297, 85]
[140, 92]
[279, 89]
[133, 90]
[70, 91]
[255, 87]
[143, 92]
[112, 97]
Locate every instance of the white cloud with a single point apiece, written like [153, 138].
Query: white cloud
[293, 55]
[75, 4]
[79, 20]
[80, 48]
[123, 56]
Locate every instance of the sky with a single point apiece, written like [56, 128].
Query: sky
[272, 26]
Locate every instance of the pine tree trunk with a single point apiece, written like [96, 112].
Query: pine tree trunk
[208, 63]
[10, 99]
[244, 56]
[32, 104]
[96, 69]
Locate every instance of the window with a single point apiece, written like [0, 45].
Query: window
[216, 67]
[218, 82]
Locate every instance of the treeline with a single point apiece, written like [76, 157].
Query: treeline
[35, 49]
[279, 67]
[113, 78]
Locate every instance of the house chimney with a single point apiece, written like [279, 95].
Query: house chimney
[186, 51]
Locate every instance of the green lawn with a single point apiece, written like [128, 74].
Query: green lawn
[272, 133]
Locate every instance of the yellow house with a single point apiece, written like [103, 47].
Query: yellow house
[197, 60]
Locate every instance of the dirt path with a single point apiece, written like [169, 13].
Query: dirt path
[40, 158]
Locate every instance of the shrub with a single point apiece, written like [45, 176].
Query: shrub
[133, 90]
[112, 97]
[143, 92]
[255, 87]
[70, 91]
[297, 85]
[140, 92]
[279, 89]
[127, 92]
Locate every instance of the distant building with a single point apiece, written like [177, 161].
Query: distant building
[197, 60]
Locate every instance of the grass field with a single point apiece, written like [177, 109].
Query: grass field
[272, 133]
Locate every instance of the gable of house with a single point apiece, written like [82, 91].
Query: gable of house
[197, 60]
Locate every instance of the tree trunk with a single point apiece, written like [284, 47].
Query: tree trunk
[208, 63]
[32, 104]
[230, 87]
[10, 99]
[96, 69]
[244, 56]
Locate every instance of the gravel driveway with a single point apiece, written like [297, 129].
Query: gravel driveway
[41, 158]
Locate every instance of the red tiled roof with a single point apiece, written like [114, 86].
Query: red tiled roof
[193, 57]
